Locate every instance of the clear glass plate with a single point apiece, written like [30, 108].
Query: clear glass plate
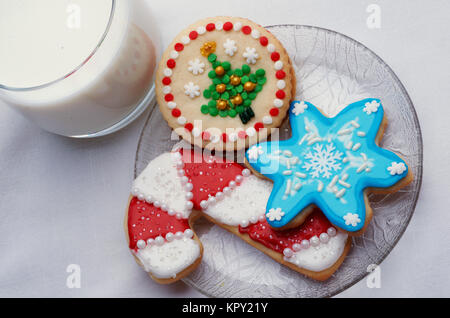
[332, 70]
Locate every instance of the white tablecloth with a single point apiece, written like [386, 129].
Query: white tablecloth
[62, 201]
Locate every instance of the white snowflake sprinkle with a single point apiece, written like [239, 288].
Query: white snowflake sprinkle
[371, 107]
[322, 162]
[275, 214]
[192, 90]
[352, 219]
[230, 47]
[255, 152]
[196, 67]
[299, 108]
[250, 55]
[397, 168]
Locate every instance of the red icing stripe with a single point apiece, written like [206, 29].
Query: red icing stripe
[208, 176]
[261, 232]
[145, 221]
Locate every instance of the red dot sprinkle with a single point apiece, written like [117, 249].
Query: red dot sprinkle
[193, 35]
[224, 137]
[171, 63]
[210, 27]
[206, 135]
[228, 26]
[275, 56]
[280, 74]
[166, 81]
[281, 94]
[242, 134]
[259, 126]
[274, 112]
[246, 29]
[264, 41]
[189, 127]
[168, 97]
[179, 47]
[176, 112]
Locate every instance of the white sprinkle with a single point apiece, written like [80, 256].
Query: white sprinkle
[333, 182]
[364, 156]
[344, 184]
[201, 30]
[356, 147]
[294, 160]
[277, 152]
[298, 186]
[287, 173]
[278, 65]
[287, 153]
[355, 124]
[167, 89]
[300, 175]
[368, 170]
[271, 48]
[168, 72]
[313, 141]
[349, 145]
[174, 54]
[171, 105]
[278, 103]
[237, 26]
[361, 134]
[288, 164]
[185, 40]
[340, 194]
[360, 169]
[345, 132]
[256, 34]
[320, 186]
[281, 84]
[344, 177]
[345, 160]
[288, 187]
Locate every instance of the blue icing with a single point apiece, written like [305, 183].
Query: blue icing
[327, 162]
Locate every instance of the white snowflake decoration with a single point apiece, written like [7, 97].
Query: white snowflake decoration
[255, 152]
[397, 168]
[352, 219]
[371, 107]
[196, 67]
[192, 90]
[322, 162]
[250, 55]
[275, 214]
[299, 108]
[230, 47]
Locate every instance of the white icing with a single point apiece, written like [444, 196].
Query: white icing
[246, 202]
[169, 259]
[320, 257]
[160, 182]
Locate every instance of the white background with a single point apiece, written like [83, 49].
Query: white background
[62, 201]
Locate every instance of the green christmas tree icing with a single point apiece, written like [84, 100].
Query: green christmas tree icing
[238, 99]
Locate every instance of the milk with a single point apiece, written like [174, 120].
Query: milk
[75, 67]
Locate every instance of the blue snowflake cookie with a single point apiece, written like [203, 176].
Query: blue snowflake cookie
[328, 162]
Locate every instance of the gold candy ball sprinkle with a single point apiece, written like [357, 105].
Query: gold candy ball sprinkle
[249, 86]
[235, 80]
[222, 104]
[220, 88]
[237, 100]
[220, 70]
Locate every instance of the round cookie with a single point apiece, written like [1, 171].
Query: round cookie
[224, 83]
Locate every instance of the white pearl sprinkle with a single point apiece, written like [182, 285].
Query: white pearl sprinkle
[169, 237]
[179, 216]
[244, 223]
[179, 235]
[188, 233]
[157, 204]
[171, 212]
[211, 200]
[189, 195]
[135, 191]
[180, 172]
[288, 252]
[159, 240]
[141, 197]
[254, 219]
[226, 190]
[140, 244]
[315, 241]
[331, 231]
[204, 204]
[184, 180]
[150, 242]
[296, 247]
[189, 205]
[180, 164]
[164, 207]
[232, 184]
[219, 196]
[246, 172]
[149, 199]
[305, 244]
[239, 178]
[324, 238]
[188, 186]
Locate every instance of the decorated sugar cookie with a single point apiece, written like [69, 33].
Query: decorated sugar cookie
[222, 81]
[331, 163]
[171, 192]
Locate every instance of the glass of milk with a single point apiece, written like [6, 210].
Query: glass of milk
[78, 68]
